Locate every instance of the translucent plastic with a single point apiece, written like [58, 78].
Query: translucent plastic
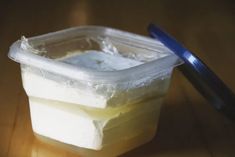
[103, 86]
[41, 55]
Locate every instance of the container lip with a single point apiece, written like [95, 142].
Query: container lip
[27, 57]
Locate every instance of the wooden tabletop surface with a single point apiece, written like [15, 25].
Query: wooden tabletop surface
[188, 126]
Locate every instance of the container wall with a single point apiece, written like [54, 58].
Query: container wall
[43, 84]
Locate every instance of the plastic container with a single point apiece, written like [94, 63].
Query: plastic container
[90, 107]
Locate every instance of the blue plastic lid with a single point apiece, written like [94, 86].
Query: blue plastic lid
[202, 78]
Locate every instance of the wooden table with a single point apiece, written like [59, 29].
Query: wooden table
[188, 126]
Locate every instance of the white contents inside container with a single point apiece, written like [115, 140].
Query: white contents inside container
[95, 87]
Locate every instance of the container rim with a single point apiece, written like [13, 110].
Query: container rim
[27, 57]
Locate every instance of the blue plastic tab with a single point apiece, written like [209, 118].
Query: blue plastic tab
[202, 78]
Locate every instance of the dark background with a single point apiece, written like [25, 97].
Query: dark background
[188, 125]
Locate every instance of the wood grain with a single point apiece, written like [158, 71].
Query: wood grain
[188, 126]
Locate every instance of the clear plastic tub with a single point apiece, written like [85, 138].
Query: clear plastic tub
[94, 86]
